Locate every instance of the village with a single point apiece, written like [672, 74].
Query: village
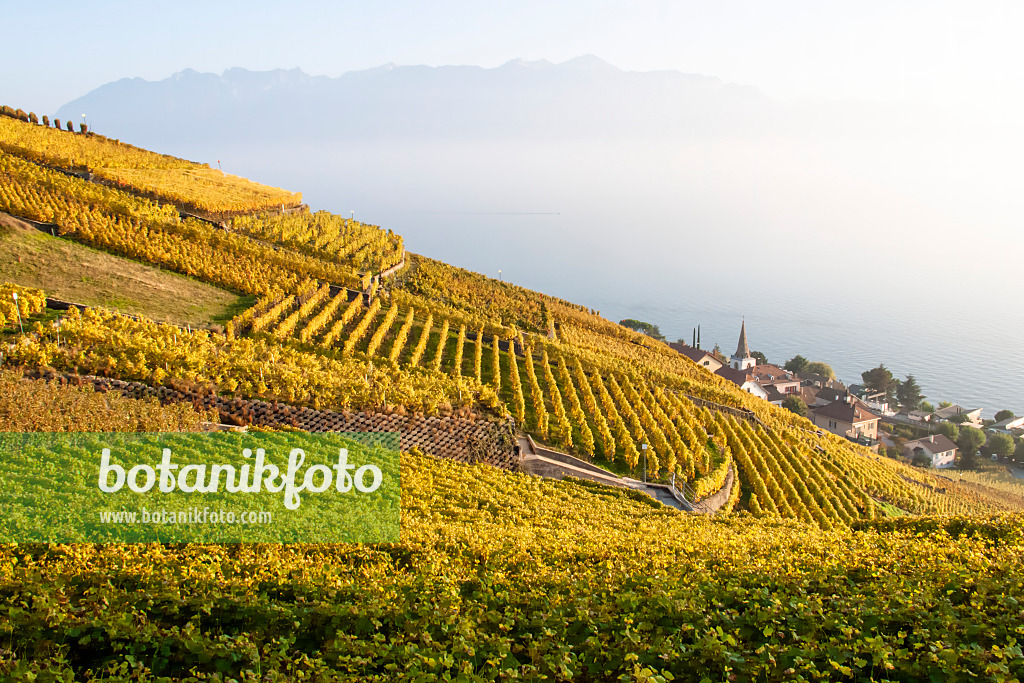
[889, 417]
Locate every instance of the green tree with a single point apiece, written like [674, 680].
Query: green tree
[646, 328]
[951, 431]
[1018, 455]
[969, 442]
[1004, 415]
[1000, 445]
[927, 407]
[909, 394]
[796, 364]
[880, 380]
[823, 369]
[794, 404]
[761, 358]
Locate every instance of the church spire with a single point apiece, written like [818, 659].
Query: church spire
[741, 360]
[742, 350]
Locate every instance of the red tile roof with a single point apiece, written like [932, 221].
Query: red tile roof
[847, 409]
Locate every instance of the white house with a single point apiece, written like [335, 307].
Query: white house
[746, 381]
[973, 415]
[1011, 426]
[938, 447]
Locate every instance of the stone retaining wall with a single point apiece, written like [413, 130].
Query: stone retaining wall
[715, 501]
[451, 438]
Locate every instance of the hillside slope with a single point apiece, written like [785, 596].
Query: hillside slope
[346, 320]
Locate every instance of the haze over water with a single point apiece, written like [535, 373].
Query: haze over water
[820, 260]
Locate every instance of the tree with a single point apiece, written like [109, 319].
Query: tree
[56, 123]
[644, 328]
[880, 380]
[1004, 415]
[83, 128]
[823, 369]
[909, 394]
[796, 364]
[927, 407]
[944, 404]
[71, 126]
[1000, 445]
[1018, 455]
[794, 404]
[46, 120]
[951, 431]
[969, 442]
[761, 358]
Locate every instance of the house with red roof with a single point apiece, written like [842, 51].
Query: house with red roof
[705, 359]
[848, 416]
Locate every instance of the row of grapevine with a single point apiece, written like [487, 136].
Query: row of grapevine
[327, 236]
[184, 183]
[118, 222]
[591, 413]
[29, 301]
[627, 592]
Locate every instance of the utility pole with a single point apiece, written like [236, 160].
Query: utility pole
[643, 447]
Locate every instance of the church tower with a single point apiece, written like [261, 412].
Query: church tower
[741, 360]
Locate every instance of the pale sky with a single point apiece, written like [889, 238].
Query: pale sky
[963, 56]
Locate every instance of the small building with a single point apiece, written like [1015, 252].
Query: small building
[705, 359]
[973, 415]
[813, 379]
[769, 375]
[743, 379]
[1011, 426]
[937, 447]
[849, 417]
[919, 416]
[876, 400]
[809, 395]
[823, 396]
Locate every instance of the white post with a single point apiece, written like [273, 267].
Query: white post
[16, 308]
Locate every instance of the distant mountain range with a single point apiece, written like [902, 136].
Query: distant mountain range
[578, 99]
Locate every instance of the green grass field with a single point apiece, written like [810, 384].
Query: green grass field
[73, 272]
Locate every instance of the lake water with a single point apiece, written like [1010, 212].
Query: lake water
[820, 257]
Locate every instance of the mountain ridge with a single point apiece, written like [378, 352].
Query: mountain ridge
[579, 98]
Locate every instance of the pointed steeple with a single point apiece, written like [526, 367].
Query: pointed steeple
[742, 350]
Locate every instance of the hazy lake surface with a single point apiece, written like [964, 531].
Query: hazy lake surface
[820, 257]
